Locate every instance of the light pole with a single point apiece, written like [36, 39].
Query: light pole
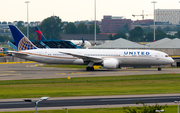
[177, 105]
[154, 20]
[27, 20]
[159, 111]
[66, 109]
[95, 22]
[36, 102]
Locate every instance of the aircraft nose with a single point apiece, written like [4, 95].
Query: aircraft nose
[171, 60]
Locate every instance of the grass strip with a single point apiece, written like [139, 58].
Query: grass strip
[91, 86]
[92, 79]
[169, 109]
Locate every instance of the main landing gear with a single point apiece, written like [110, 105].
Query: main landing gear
[90, 68]
[159, 69]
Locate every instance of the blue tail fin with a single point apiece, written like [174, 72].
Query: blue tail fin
[39, 34]
[22, 42]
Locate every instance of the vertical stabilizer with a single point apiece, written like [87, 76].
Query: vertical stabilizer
[22, 42]
[39, 34]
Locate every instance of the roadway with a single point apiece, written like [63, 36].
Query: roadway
[88, 102]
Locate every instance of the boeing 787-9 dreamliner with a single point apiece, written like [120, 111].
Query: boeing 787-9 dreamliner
[108, 58]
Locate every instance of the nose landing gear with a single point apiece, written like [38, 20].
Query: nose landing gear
[159, 69]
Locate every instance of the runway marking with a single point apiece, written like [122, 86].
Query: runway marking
[17, 62]
[6, 74]
[35, 65]
[72, 73]
[7, 71]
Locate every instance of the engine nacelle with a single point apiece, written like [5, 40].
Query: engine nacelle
[110, 63]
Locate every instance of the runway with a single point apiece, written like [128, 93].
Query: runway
[89, 102]
[32, 71]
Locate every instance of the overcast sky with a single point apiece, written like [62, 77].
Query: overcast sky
[74, 10]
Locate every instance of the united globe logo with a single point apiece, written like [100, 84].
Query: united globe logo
[25, 44]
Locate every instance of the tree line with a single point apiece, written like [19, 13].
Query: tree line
[139, 34]
[53, 26]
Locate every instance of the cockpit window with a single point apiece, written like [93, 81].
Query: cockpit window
[166, 56]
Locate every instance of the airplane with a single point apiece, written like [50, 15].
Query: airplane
[108, 58]
[81, 43]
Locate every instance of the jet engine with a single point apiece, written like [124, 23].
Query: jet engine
[110, 63]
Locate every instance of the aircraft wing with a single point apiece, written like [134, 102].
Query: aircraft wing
[84, 57]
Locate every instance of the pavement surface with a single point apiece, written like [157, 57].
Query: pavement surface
[21, 71]
[88, 102]
[33, 71]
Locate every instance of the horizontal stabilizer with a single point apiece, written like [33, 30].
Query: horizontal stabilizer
[15, 53]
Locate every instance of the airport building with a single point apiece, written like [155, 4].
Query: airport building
[168, 15]
[110, 24]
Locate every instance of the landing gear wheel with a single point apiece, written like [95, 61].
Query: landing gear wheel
[87, 68]
[159, 69]
[90, 68]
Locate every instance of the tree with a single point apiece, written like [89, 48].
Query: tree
[4, 22]
[136, 34]
[4, 38]
[177, 34]
[147, 30]
[70, 28]
[23, 30]
[144, 109]
[160, 34]
[159, 28]
[9, 23]
[32, 35]
[91, 29]
[125, 29]
[32, 32]
[51, 27]
[111, 37]
[19, 23]
[149, 37]
[171, 36]
[82, 28]
[166, 29]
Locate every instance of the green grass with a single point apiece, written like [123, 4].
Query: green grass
[91, 86]
[170, 109]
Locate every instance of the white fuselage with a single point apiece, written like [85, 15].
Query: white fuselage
[80, 43]
[123, 56]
